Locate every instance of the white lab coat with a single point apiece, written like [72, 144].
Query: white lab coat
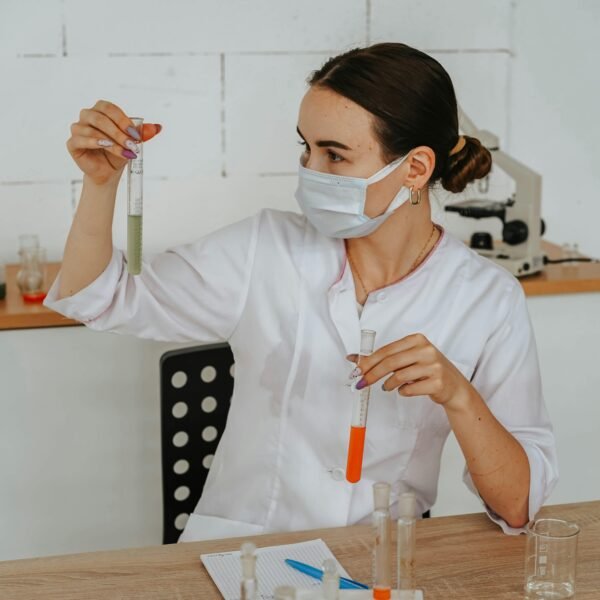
[283, 296]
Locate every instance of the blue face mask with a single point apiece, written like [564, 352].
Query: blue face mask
[335, 204]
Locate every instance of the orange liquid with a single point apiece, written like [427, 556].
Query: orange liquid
[356, 448]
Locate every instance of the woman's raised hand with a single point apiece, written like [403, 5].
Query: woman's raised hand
[104, 139]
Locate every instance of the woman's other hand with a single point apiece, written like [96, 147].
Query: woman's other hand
[415, 367]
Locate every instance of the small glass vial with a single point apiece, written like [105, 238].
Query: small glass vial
[407, 527]
[331, 580]
[248, 583]
[382, 542]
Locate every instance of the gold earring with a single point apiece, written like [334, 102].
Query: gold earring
[418, 196]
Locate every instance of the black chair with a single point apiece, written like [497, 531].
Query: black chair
[196, 385]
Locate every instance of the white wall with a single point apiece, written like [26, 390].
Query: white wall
[79, 428]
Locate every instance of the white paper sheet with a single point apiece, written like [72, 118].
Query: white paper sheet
[271, 570]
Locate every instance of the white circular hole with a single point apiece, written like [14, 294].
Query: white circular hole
[208, 374]
[208, 404]
[181, 466]
[180, 521]
[232, 370]
[180, 439]
[179, 410]
[207, 461]
[179, 379]
[182, 493]
[209, 433]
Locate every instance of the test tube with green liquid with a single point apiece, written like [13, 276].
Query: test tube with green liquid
[135, 203]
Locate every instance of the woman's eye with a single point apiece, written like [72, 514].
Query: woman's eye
[332, 155]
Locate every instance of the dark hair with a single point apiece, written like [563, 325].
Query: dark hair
[413, 102]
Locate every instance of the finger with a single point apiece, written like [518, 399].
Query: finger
[77, 144]
[79, 130]
[395, 362]
[149, 130]
[98, 120]
[418, 388]
[368, 362]
[121, 120]
[405, 376]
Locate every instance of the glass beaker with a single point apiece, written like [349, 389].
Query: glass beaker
[31, 277]
[551, 559]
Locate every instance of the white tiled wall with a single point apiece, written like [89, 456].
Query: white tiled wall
[225, 80]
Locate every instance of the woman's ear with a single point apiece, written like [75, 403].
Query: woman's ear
[421, 166]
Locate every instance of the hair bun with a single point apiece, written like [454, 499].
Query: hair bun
[473, 162]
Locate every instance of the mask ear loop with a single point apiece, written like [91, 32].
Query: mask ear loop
[418, 196]
[385, 171]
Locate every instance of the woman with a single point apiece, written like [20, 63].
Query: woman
[290, 293]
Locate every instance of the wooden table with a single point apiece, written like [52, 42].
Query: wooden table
[17, 314]
[564, 278]
[465, 557]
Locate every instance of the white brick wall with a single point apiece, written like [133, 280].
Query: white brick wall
[225, 80]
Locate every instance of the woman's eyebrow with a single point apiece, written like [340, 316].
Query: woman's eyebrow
[323, 143]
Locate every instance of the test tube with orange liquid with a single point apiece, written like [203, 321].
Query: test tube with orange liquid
[358, 428]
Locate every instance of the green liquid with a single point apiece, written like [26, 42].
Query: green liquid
[134, 244]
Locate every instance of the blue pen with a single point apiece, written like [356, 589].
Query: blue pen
[345, 583]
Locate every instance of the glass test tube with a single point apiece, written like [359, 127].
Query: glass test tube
[382, 543]
[331, 580]
[407, 528]
[135, 200]
[248, 583]
[358, 427]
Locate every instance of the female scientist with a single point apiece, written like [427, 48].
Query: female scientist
[291, 293]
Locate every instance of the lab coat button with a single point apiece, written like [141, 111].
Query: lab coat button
[338, 474]
[381, 296]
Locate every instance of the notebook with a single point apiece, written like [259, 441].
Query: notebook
[271, 570]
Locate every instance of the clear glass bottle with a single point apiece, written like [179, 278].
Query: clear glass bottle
[31, 278]
[248, 583]
[382, 542]
[407, 526]
[330, 588]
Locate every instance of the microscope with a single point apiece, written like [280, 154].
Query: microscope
[519, 251]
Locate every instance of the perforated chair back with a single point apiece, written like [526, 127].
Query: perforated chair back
[196, 385]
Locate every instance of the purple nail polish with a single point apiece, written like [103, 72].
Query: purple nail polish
[129, 154]
[361, 384]
[134, 133]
